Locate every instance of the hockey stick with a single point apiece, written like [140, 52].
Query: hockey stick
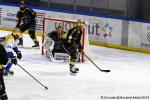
[102, 70]
[88, 59]
[33, 77]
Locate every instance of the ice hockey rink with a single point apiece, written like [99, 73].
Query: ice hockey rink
[129, 76]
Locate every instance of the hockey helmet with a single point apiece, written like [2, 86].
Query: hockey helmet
[16, 33]
[59, 30]
[80, 23]
[22, 5]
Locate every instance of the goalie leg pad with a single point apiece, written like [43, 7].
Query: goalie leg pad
[49, 44]
[51, 57]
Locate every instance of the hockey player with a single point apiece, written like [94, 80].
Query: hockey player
[10, 42]
[57, 37]
[3, 61]
[27, 16]
[54, 41]
[73, 44]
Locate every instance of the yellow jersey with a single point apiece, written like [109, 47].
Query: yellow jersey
[10, 42]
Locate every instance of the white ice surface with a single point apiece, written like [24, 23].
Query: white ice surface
[129, 76]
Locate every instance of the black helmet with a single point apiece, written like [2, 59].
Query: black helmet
[22, 5]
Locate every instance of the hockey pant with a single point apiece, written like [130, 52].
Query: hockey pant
[9, 65]
[31, 30]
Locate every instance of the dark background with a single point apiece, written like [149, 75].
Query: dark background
[139, 9]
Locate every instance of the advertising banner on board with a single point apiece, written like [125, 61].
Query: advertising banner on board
[99, 29]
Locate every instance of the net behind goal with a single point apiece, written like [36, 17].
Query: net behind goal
[50, 24]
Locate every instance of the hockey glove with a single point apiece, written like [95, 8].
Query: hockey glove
[14, 60]
[19, 55]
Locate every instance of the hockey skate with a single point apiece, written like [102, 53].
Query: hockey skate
[3, 97]
[73, 70]
[10, 72]
[36, 45]
[77, 70]
[7, 72]
[20, 46]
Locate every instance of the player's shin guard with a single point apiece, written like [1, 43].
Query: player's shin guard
[3, 97]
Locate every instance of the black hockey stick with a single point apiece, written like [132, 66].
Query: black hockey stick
[88, 59]
[102, 70]
[33, 77]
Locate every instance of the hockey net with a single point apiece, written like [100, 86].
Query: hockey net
[50, 24]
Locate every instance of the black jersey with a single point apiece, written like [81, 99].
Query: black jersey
[55, 37]
[3, 55]
[28, 16]
[74, 36]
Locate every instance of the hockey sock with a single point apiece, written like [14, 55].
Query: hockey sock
[8, 66]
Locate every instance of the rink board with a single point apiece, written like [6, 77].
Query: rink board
[105, 31]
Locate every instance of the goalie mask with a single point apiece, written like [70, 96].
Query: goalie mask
[60, 31]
